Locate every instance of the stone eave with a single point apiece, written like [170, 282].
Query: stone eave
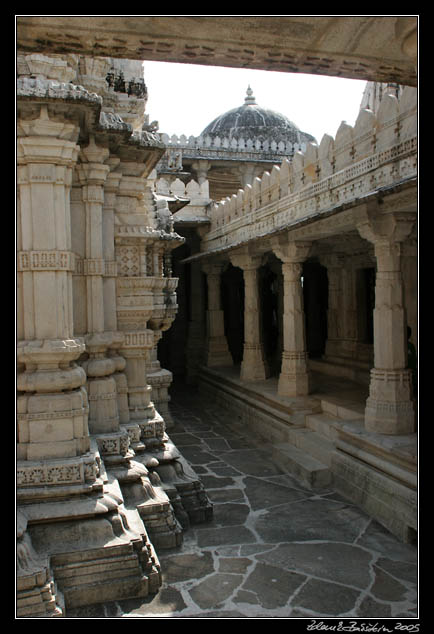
[378, 195]
[72, 100]
[176, 203]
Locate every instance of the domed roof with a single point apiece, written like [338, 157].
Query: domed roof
[250, 121]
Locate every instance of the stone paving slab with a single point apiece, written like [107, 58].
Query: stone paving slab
[273, 549]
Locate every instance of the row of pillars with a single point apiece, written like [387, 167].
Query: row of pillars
[390, 406]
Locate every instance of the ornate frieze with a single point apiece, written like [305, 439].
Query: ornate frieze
[46, 261]
[80, 470]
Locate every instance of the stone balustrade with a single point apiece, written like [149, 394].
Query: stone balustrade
[284, 148]
[379, 151]
[191, 190]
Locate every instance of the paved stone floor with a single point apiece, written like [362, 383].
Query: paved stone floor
[273, 548]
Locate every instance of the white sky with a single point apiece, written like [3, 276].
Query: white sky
[184, 98]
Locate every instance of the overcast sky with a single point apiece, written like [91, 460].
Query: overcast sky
[184, 98]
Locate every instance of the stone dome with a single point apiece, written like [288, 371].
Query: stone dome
[250, 121]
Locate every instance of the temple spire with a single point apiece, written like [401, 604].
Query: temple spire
[249, 99]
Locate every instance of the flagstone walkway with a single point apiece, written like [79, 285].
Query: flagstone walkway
[273, 549]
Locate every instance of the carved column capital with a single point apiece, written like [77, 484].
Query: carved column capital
[386, 228]
[245, 261]
[287, 251]
[93, 153]
[212, 268]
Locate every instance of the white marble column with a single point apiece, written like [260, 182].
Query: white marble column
[217, 350]
[52, 406]
[294, 374]
[389, 408]
[254, 366]
[103, 410]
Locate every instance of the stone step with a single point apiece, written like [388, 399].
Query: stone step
[322, 423]
[343, 410]
[312, 443]
[308, 470]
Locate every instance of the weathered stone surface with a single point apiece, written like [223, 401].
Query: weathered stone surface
[231, 572]
[214, 590]
[399, 570]
[272, 585]
[327, 599]
[380, 539]
[166, 602]
[231, 514]
[234, 564]
[386, 588]
[341, 563]
[290, 522]
[225, 535]
[263, 494]
[253, 462]
[370, 608]
[182, 567]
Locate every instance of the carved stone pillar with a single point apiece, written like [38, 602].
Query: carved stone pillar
[389, 408]
[254, 366]
[103, 409]
[294, 374]
[68, 501]
[217, 350]
[52, 411]
[348, 309]
[333, 263]
[201, 167]
[135, 294]
[138, 292]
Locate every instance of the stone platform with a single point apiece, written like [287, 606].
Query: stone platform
[274, 548]
[321, 439]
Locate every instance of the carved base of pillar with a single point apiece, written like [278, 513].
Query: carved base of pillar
[217, 353]
[160, 382]
[293, 384]
[390, 407]
[253, 366]
[294, 379]
[37, 594]
[52, 425]
[153, 506]
[97, 548]
[176, 473]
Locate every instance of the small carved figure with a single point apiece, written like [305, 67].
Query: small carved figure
[164, 217]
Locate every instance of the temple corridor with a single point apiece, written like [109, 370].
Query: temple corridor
[274, 548]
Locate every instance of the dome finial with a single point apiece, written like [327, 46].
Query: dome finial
[250, 99]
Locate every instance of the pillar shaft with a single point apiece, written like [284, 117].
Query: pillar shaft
[253, 366]
[294, 374]
[101, 385]
[53, 405]
[217, 350]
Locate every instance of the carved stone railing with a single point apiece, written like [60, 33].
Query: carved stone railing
[192, 190]
[377, 152]
[247, 148]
